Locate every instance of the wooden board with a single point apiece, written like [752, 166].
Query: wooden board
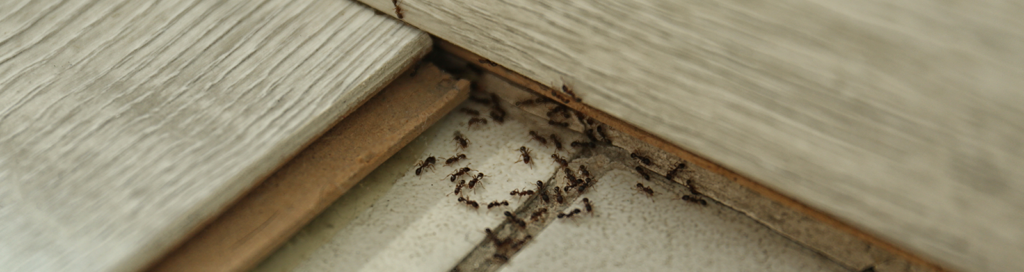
[270, 214]
[124, 125]
[898, 118]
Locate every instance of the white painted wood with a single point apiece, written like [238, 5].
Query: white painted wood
[902, 118]
[125, 124]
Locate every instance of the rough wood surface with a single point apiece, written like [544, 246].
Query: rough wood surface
[126, 124]
[900, 118]
[266, 217]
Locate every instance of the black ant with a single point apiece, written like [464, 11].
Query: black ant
[560, 96]
[583, 144]
[517, 192]
[646, 190]
[672, 174]
[569, 91]
[558, 195]
[454, 159]
[476, 120]
[586, 204]
[538, 214]
[426, 164]
[459, 172]
[470, 111]
[520, 243]
[537, 137]
[497, 113]
[600, 131]
[483, 101]
[498, 117]
[494, 238]
[693, 190]
[582, 187]
[584, 172]
[560, 160]
[590, 135]
[487, 61]
[642, 159]
[469, 202]
[643, 173]
[475, 179]
[496, 203]
[559, 109]
[460, 140]
[695, 199]
[458, 187]
[570, 214]
[514, 219]
[568, 175]
[558, 124]
[398, 9]
[501, 258]
[531, 101]
[558, 143]
[526, 154]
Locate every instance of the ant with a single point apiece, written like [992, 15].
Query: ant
[558, 124]
[590, 135]
[470, 111]
[514, 219]
[520, 243]
[560, 96]
[584, 172]
[454, 159]
[689, 185]
[695, 200]
[583, 186]
[558, 143]
[672, 174]
[501, 258]
[600, 131]
[497, 113]
[498, 117]
[460, 140]
[586, 204]
[459, 172]
[538, 214]
[537, 137]
[517, 192]
[569, 91]
[559, 109]
[570, 214]
[398, 9]
[558, 195]
[426, 164]
[643, 173]
[475, 179]
[486, 61]
[469, 202]
[642, 159]
[458, 187]
[496, 203]
[476, 120]
[583, 144]
[526, 154]
[560, 160]
[531, 101]
[568, 175]
[494, 238]
[646, 190]
[483, 101]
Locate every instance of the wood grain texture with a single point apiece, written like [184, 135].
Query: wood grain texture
[125, 124]
[269, 215]
[899, 118]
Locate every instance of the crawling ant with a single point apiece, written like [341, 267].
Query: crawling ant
[590, 135]
[559, 109]
[488, 62]
[568, 175]
[501, 258]
[458, 187]
[543, 194]
[538, 214]
[642, 159]
[475, 179]
[600, 132]
[693, 190]
[483, 101]
[558, 143]
[454, 159]
[476, 120]
[496, 203]
[497, 113]
[426, 164]
[520, 243]
[514, 219]
[398, 9]
[582, 187]
[540, 185]
[526, 154]
[494, 238]
[560, 96]
[646, 190]
[560, 160]
[695, 200]
[517, 192]
[572, 94]
[586, 204]
[672, 174]
[531, 101]
[558, 195]
[584, 172]
[583, 144]
[558, 124]
[538, 138]
[643, 173]
[459, 172]
[469, 202]
[567, 188]
[570, 214]
[470, 111]
[498, 117]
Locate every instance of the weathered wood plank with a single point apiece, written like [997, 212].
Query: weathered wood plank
[266, 217]
[126, 124]
[898, 118]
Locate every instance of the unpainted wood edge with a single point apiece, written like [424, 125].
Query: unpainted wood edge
[161, 256]
[656, 141]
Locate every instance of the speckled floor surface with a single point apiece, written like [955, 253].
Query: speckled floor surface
[395, 220]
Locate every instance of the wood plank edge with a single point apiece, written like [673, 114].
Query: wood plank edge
[656, 141]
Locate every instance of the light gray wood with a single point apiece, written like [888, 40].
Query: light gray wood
[125, 124]
[903, 118]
